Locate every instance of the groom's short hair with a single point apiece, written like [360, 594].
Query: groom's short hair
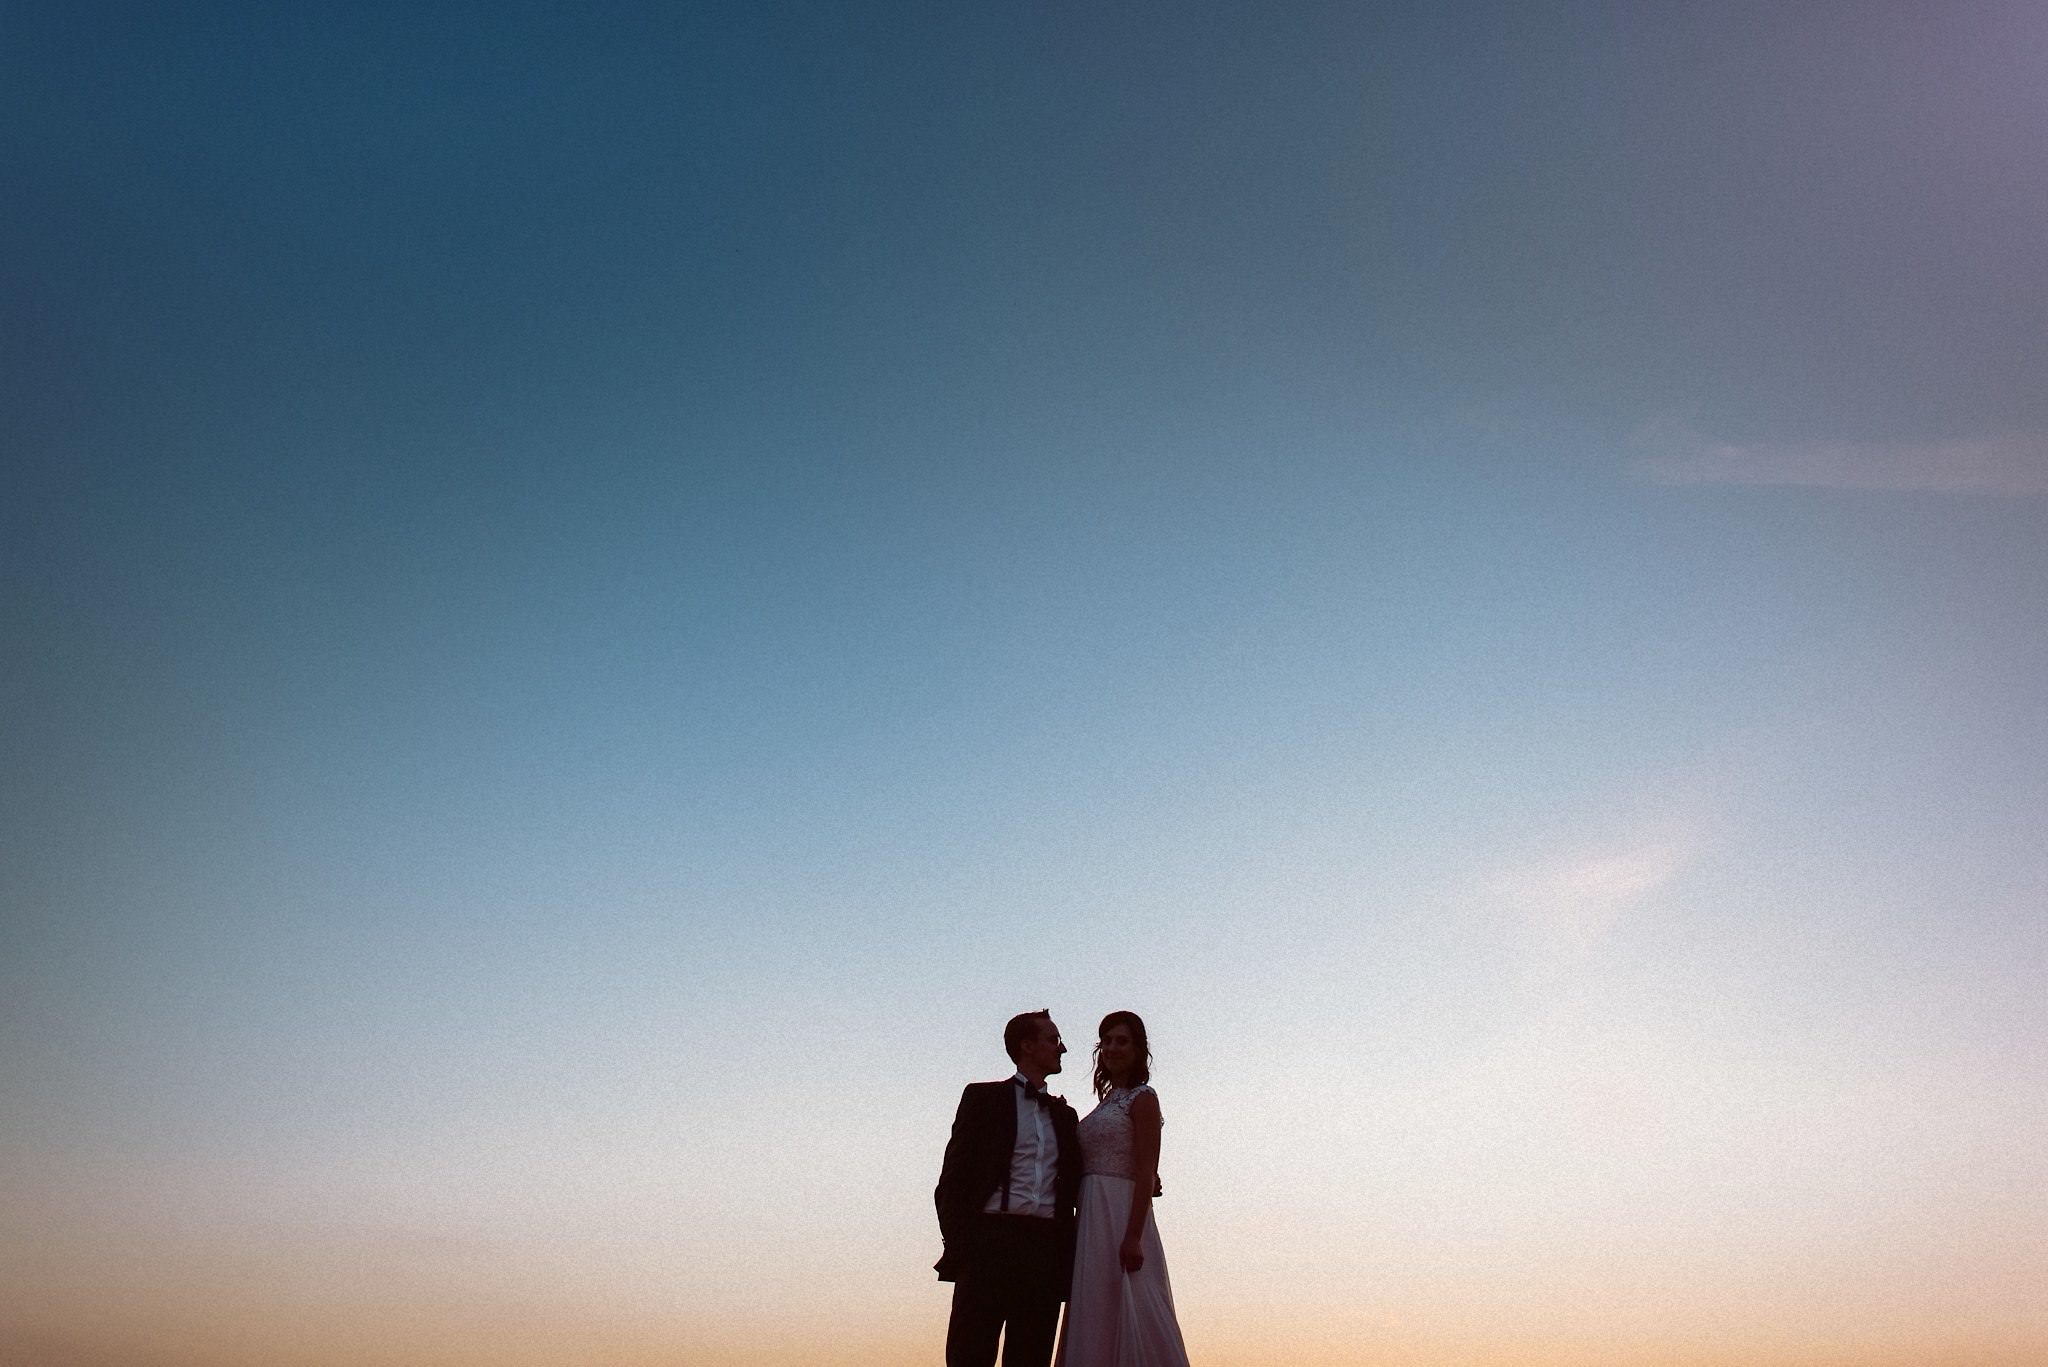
[1024, 1027]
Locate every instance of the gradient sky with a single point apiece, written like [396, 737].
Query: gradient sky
[592, 597]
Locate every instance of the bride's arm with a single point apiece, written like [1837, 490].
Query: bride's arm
[1144, 1172]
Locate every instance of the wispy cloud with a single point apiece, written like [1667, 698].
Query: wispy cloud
[2012, 465]
[1576, 898]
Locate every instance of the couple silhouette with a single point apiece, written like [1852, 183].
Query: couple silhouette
[1037, 1207]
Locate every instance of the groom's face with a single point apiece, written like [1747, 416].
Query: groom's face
[1043, 1052]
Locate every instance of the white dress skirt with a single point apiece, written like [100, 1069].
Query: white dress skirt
[1115, 1319]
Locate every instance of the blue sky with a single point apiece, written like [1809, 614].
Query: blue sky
[570, 579]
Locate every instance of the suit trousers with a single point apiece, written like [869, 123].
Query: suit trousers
[1008, 1285]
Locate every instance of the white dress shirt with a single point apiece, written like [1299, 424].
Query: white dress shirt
[1034, 1162]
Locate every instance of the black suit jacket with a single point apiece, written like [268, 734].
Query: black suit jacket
[978, 1163]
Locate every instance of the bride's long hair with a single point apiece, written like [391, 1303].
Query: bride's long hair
[1142, 1072]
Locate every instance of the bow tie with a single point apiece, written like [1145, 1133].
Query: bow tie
[1039, 1096]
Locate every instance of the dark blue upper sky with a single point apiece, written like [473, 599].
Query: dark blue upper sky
[439, 367]
[716, 382]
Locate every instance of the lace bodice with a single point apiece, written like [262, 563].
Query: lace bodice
[1106, 1134]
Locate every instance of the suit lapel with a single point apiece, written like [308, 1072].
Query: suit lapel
[1004, 1124]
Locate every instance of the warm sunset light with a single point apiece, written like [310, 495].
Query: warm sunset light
[595, 597]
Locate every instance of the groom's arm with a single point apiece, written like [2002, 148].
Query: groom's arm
[1069, 1132]
[951, 1195]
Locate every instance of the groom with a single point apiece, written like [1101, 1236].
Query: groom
[1006, 1198]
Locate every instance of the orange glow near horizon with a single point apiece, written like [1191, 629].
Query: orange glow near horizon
[101, 1303]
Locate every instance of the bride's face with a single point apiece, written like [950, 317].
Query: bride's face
[1119, 1051]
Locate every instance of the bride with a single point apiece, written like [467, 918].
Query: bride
[1120, 1308]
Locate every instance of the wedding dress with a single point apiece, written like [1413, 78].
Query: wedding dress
[1116, 1319]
